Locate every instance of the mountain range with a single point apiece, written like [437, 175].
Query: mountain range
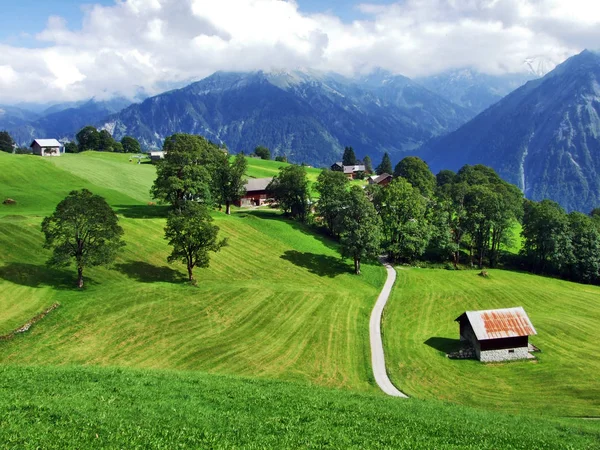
[308, 116]
[473, 90]
[60, 121]
[544, 137]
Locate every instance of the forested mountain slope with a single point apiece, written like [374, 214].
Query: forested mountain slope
[544, 137]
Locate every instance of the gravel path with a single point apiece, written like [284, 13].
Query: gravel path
[377, 356]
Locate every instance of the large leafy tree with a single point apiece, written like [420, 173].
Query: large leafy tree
[88, 138]
[6, 142]
[349, 158]
[417, 173]
[192, 235]
[185, 172]
[361, 236]
[71, 147]
[385, 166]
[262, 152]
[228, 179]
[107, 143]
[585, 242]
[290, 190]
[332, 188]
[84, 229]
[406, 225]
[131, 145]
[546, 234]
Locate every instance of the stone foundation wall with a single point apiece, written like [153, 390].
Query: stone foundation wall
[503, 355]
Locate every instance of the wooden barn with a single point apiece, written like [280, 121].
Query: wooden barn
[256, 192]
[46, 147]
[382, 180]
[497, 334]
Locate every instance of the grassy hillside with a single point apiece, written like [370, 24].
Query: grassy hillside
[276, 303]
[419, 329]
[121, 408]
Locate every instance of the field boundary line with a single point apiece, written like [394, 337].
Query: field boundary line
[377, 355]
[31, 322]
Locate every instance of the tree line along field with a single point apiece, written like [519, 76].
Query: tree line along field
[49, 408]
[277, 302]
[419, 329]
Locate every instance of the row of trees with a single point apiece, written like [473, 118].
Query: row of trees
[89, 138]
[464, 217]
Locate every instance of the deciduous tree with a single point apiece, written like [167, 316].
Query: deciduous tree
[71, 147]
[88, 139]
[228, 179]
[406, 227]
[131, 145]
[361, 237]
[417, 173]
[85, 229]
[6, 142]
[333, 189]
[192, 235]
[184, 174]
[262, 152]
[290, 190]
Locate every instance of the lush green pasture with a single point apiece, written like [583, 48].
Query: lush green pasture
[123, 408]
[277, 302]
[419, 328]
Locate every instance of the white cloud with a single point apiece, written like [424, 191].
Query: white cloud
[153, 43]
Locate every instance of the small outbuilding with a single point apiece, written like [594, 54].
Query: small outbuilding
[256, 192]
[47, 147]
[497, 334]
[382, 180]
[156, 156]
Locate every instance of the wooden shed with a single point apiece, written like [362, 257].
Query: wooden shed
[46, 147]
[497, 334]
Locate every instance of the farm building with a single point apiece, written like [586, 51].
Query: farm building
[47, 147]
[157, 156]
[497, 334]
[349, 171]
[383, 180]
[256, 192]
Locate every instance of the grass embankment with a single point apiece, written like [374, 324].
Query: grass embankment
[124, 408]
[276, 303]
[419, 329]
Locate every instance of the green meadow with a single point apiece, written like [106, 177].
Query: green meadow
[131, 408]
[271, 348]
[277, 302]
[419, 329]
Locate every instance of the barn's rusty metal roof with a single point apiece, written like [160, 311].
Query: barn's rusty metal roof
[500, 323]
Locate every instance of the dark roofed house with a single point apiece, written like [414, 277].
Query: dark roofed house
[46, 147]
[383, 180]
[497, 334]
[256, 192]
[349, 171]
[337, 166]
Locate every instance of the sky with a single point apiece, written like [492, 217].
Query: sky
[66, 50]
